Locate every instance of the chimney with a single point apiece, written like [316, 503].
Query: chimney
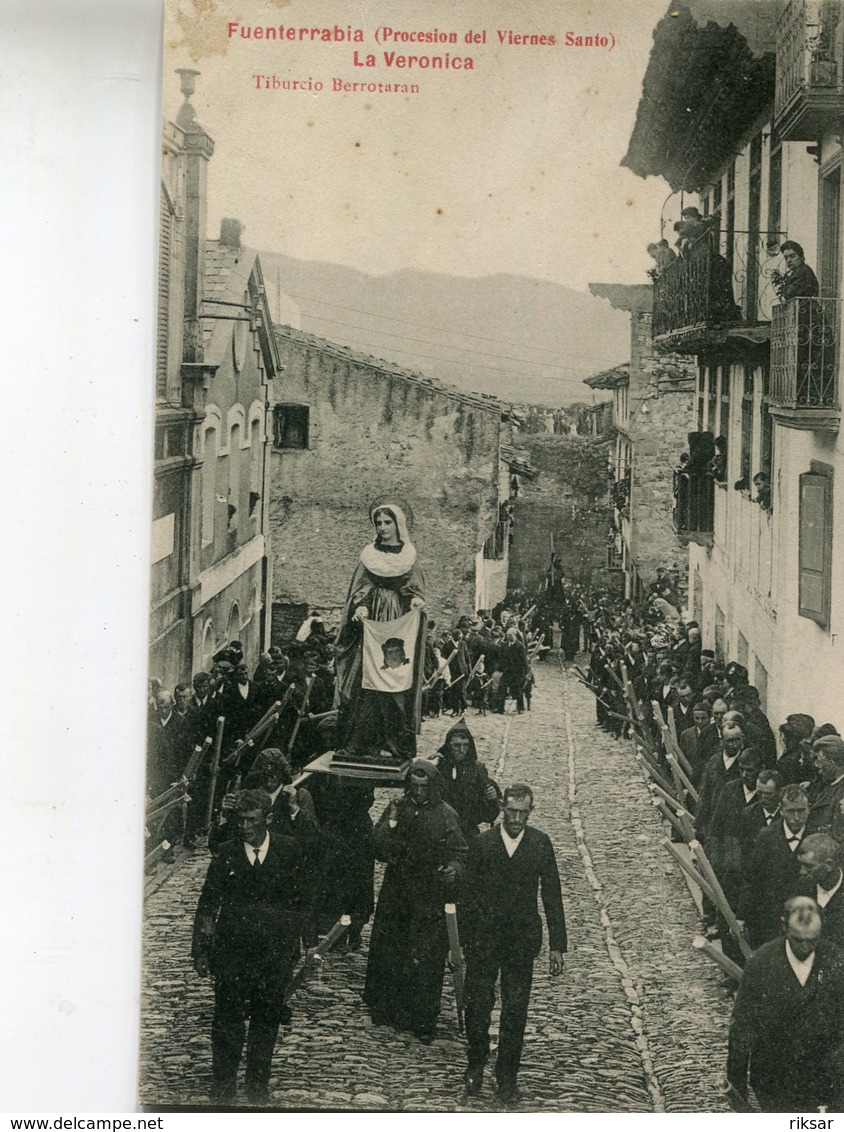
[197, 150]
[230, 232]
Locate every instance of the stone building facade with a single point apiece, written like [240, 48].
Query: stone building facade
[351, 429]
[563, 509]
[653, 401]
[762, 164]
[215, 363]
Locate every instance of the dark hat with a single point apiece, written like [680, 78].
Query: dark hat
[708, 652]
[692, 211]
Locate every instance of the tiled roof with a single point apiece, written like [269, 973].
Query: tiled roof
[609, 378]
[479, 400]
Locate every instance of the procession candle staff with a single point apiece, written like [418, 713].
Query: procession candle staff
[700, 943]
[455, 961]
[688, 868]
[442, 667]
[315, 956]
[303, 711]
[215, 767]
[720, 899]
[189, 774]
[387, 584]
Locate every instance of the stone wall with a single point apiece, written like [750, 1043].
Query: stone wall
[375, 430]
[568, 499]
[661, 416]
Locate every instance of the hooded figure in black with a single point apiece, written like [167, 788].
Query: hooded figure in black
[419, 838]
[467, 787]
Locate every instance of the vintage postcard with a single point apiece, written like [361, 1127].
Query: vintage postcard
[493, 754]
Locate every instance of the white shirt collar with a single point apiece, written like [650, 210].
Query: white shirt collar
[824, 895]
[749, 795]
[790, 835]
[262, 850]
[802, 968]
[728, 759]
[511, 844]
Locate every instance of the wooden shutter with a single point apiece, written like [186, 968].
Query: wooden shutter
[815, 546]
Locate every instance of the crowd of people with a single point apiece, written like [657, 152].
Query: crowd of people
[767, 805]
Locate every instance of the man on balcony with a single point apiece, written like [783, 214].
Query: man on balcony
[799, 279]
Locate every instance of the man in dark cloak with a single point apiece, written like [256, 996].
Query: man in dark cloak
[419, 838]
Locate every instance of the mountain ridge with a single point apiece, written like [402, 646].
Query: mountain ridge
[520, 338]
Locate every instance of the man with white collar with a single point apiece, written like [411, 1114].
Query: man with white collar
[764, 811]
[821, 878]
[773, 868]
[246, 934]
[509, 865]
[721, 768]
[788, 1020]
[723, 843]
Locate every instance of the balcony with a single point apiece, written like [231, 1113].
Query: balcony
[810, 76]
[803, 389]
[697, 297]
[694, 506]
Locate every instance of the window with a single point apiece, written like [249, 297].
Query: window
[815, 549]
[747, 427]
[720, 635]
[712, 403]
[701, 399]
[209, 486]
[830, 226]
[234, 477]
[731, 215]
[292, 426]
[775, 188]
[754, 208]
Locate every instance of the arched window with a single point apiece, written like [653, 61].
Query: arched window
[209, 485]
[233, 630]
[234, 476]
[256, 453]
[208, 648]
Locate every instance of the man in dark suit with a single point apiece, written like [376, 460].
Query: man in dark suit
[821, 878]
[246, 933]
[700, 741]
[721, 768]
[764, 811]
[773, 869]
[826, 814]
[787, 1025]
[507, 866]
[514, 669]
[723, 845]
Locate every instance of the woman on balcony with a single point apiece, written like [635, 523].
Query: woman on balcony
[799, 280]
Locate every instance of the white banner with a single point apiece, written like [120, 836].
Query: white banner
[388, 651]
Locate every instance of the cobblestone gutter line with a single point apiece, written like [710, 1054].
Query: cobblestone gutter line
[613, 950]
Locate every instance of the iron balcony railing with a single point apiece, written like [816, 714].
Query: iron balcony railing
[720, 279]
[694, 503]
[804, 354]
[809, 52]
[696, 290]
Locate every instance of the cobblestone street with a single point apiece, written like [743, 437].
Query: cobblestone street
[637, 1022]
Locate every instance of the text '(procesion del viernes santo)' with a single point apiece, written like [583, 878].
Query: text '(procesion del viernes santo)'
[397, 41]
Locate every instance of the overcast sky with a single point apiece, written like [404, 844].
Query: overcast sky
[512, 167]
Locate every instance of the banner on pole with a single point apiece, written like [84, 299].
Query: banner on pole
[388, 651]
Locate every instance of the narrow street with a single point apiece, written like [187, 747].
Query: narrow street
[636, 1023]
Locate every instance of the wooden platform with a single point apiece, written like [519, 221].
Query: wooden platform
[378, 775]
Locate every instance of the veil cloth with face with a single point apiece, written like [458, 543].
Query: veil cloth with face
[386, 579]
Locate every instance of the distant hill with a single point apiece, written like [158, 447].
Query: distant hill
[517, 338]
